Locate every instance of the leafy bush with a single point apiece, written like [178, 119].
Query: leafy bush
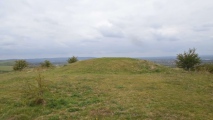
[46, 64]
[205, 67]
[20, 65]
[72, 59]
[188, 60]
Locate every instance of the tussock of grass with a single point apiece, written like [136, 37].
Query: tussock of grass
[124, 95]
[205, 68]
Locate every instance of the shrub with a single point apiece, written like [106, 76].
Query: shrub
[72, 59]
[188, 60]
[34, 93]
[205, 67]
[46, 64]
[20, 65]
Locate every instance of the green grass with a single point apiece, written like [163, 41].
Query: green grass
[109, 88]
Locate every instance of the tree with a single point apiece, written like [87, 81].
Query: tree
[47, 64]
[72, 59]
[20, 65]
[188, 60]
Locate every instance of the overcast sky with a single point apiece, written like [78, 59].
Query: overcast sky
[103, 28]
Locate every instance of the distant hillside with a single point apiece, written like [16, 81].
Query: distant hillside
[114, 65]
[7, 62]
[6, 65]
[54, 60]
[167, 61]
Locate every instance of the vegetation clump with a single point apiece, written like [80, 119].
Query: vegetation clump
[205, 68]
[72, 59]
[47, 64]
[188, 60]
[20, 65]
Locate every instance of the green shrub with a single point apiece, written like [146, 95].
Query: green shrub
[46, 64]
[188, 60]
[205, 68]
[72, 59]
[20, 65]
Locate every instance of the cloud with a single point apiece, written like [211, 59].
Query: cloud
[104, 28]
[203, 28]
[107, 29]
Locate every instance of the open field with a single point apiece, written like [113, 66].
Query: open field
[6, 68]
[6, 65]
[7, 62]
[107, 88]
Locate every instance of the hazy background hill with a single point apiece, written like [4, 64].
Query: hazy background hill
[167, 61]
[55, 61]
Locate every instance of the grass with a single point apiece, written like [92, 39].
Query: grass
[109, 90]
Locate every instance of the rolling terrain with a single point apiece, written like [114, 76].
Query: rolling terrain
[6, 65]
[106, 88]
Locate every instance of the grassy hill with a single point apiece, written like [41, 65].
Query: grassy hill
[114, 66]
[106, 88]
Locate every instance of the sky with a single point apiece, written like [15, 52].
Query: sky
[104, 28]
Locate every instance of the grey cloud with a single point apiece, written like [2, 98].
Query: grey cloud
[108, 29]
[136, 41]
[203, 28]
[111, 33]
[104, 28]
[160, 37]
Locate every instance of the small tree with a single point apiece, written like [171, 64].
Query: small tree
[188, 60]
[20, 65]
[47, 64]
[72, 59]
